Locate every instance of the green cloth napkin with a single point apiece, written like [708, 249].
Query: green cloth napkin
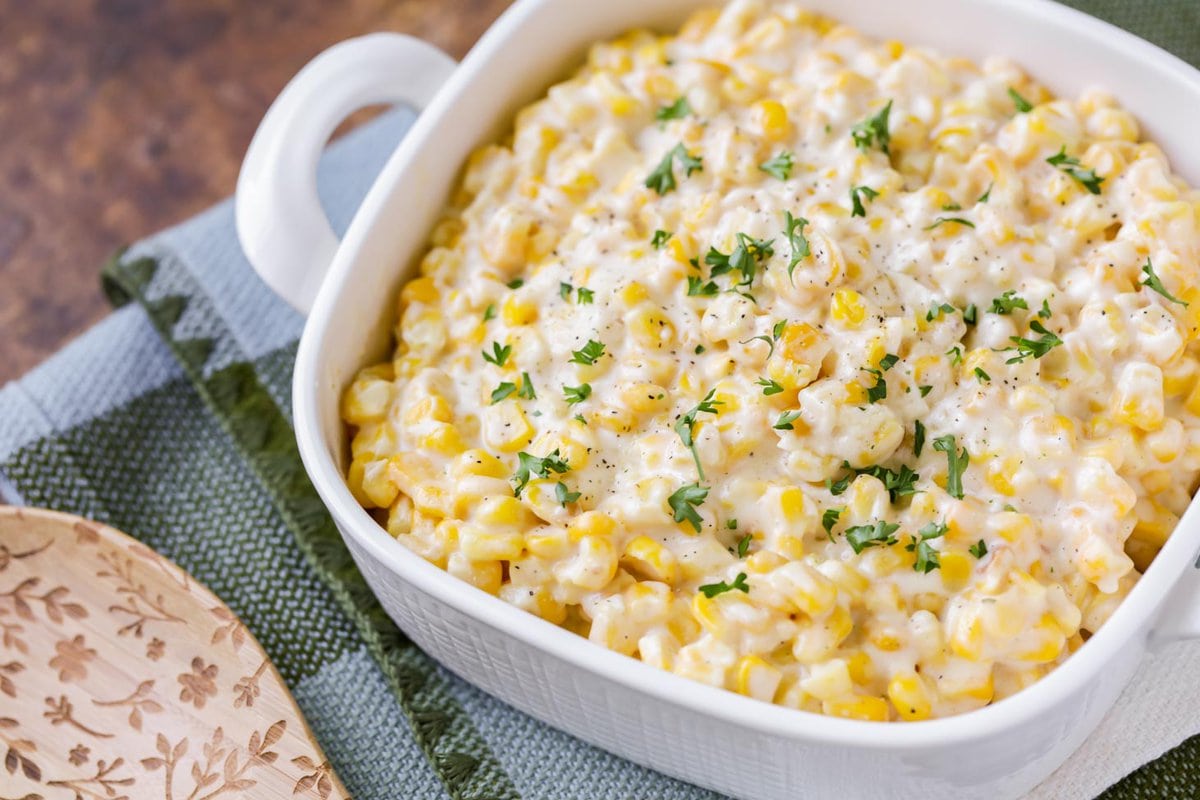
[171, 421]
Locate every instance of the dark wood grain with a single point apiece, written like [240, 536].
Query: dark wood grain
[120, 117]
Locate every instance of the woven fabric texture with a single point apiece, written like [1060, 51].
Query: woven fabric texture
[171, 421]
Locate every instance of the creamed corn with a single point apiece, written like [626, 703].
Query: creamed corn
[836, 373]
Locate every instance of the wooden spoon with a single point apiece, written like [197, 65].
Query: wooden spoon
[121, 676]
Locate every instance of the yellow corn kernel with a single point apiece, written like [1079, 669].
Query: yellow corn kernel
[516, 311]
[771, 119]
[368, 398]
[1193, 401]
[478, 462]
[480, 543]
[485, 575]
[506, 428]
[756, 678]
[847, 307]
[649, 559]
[547, 542]
[955, 570]
[430, 407]
[910, 697]
[644, 397]
[419, 290]
[633, 294]
[591, 523]
[377, 484]
[504, 510]
[808, 589]
[650, 327]
[859, 665]
[864, 707]
[444, 439]
[1139, 398]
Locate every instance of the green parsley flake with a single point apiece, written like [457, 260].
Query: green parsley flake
[684, 501]
[502, 391]
[983, 198]
[661, 237]
[743, 545]
[888, 361]
[744, 259]
[944, 220]
[880, 534]
[564, 495]
[489, 313]
[956, 355]
[1155, 284]
[529, 466]
[1087, 177]
[686, 425]
[1033, 348]
[564, 290]
[770, 387]
[697, 287]
[589, 354]
[662, 179]
[785, 420]
[797, 240]
[711, 590]
[925, 390]
[584, 296]
[677, 110]
[577, 394]
[957, 463]
[981, 375]
[1023, 105]
[515, 283]
[499, 355]
[527, 391]
[856, 195]
[938, 311]
[927, 557]
[971, 314]
[830, 518]
[879, 390]
[873, 130]
[780, 166]
[1008, 302]
[918, 438]
[776, 332]
[979, 549]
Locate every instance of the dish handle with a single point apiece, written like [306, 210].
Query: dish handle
[283, 229]
[1179, 619]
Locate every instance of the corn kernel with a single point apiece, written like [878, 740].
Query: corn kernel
[910, 697]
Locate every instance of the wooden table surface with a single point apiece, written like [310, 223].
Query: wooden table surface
[121, 117]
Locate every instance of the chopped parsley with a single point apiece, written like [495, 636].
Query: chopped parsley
[589, 354]
[770, 387]
[1023, 105]
[888, 361]
[776, 332]
[971, 314]
[1155, 284]
[662, 179]
[979, 549]
[502, 391]
[577, 394]
[1088, 177]
[956, 461]
[499, 355]
[660, 238]
[564, 495]
[584, 296]
[880, 534]
[955, 354]
[489, 313]
[856, 194]
[744, 259]
[1033, 348]
[944, 220]
[830, 518]
[564, 290]
[927, 557]
[873, 131]
[797, 240]
[780, 166]
[743, 545]
[899, 483]
[731, 524]
[1045, 312]
[1007, 302]
[983, 198]
[684, 501]
[579, 418]
[698, 287]
[529, 466]
[918, 438]
[839, 487]
[527, 391]
[879, 390]
[515, 283]
[785, 420]
[981, 375]
[938, 310]
[677, 110]
[711, 590]
[925, 390]
[951, 207]
[686, 425]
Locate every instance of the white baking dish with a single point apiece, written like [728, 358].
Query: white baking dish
[707, 736]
